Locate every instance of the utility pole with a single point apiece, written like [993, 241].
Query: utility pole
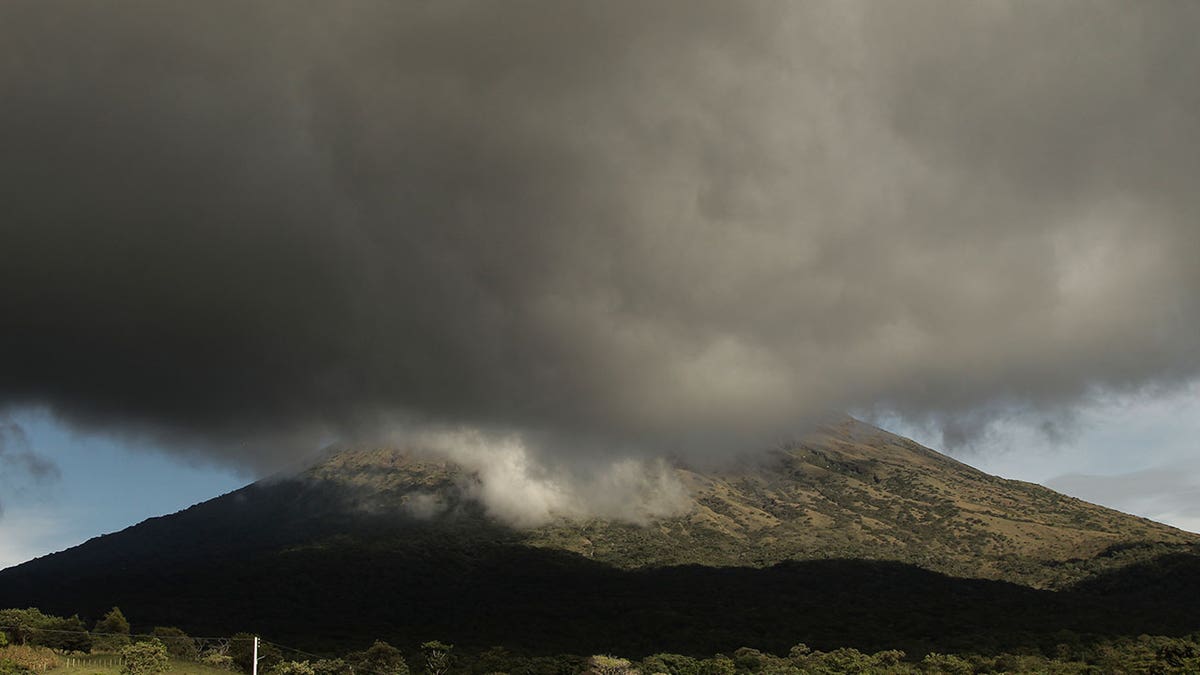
[255, 660]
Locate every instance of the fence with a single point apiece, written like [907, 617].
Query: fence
[97, 660]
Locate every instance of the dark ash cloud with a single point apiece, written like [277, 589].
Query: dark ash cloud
[244, 227]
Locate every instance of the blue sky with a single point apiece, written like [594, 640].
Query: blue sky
[1138, 454]
[104, 485]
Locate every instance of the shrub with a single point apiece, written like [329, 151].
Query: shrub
[10, 668]
[945, 664]
[671, 664]
[332, 667]
[145, 658]
[293, 668]
[217, 659]
[717, 665]
[602, 664]
[29, 657]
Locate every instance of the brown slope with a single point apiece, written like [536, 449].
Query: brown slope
[849, 490]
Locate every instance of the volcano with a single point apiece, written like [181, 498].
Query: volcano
[849, 535]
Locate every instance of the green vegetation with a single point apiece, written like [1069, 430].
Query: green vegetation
[178, 644]
[437, 657]
[380, 658]
[111, 633]
[147, 657]
[1063, 653]
[29, 657]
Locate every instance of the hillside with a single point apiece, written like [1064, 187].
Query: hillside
[848, 490]
[852, 536]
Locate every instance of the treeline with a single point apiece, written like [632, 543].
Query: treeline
[34, 642]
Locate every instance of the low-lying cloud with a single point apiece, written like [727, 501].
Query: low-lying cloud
[518, 487]
[619, 228]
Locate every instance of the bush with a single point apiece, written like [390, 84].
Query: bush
[671, 664]
[10, 668]
[216, 659]
[29, 657]
[945, 664]
[145, 658]
[293, 668]
[717, 665]
[332, 667]
[602, 664]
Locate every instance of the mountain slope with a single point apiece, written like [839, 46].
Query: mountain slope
[849, 490]
[347, 552]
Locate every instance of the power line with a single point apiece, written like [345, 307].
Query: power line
[128, 635]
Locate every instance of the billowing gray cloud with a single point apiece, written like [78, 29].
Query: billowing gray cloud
[650, 226]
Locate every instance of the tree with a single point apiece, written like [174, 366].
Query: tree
[671, 664]
[22, 624]
[145, 658]
[179, 644]
[717, 665]
[380, 659]
[112, 632]
[603, 664]
[68, 635]
[748, 660]
[437, 657]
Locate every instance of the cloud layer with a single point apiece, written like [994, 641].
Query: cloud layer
[668, 227]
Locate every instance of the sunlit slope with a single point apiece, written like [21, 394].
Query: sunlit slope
[848, 490]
